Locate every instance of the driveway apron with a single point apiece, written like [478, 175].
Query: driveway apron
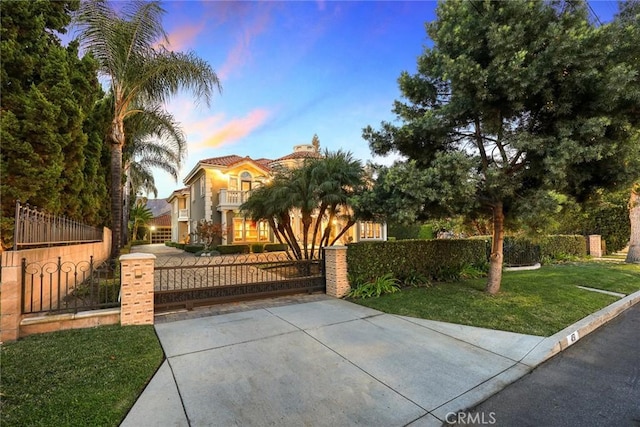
[323, 363]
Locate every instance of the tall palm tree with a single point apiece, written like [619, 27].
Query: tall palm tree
[324, 186]
[142, 76]
[339, 176]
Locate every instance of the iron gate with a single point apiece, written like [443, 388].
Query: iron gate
[190, 282]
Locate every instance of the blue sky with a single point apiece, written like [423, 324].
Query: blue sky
[290, 70]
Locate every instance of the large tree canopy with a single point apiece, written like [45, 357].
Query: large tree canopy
[50, 156]
[514, 99]
[142, 76]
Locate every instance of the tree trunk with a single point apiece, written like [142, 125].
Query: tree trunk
[348, 225]
[116, 199]
[495, 260]
[117, 142]
[633, 256]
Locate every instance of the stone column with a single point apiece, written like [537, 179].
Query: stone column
[335, 261]
[594, 245]
[136, 293]
[11, 313]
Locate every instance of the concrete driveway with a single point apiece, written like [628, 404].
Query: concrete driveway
[324, 363]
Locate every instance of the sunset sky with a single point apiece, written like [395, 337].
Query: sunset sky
[290, 70]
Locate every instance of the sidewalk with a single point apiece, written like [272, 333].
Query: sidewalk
[330, 362]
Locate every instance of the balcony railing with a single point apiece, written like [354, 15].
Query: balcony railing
[183, 215]
[231, 199]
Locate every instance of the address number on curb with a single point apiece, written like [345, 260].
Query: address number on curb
[572, 338]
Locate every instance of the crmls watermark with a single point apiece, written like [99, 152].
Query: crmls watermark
[478, 418]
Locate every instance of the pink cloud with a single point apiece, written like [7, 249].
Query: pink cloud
[182, 38]
[241, 52]
[232, 130]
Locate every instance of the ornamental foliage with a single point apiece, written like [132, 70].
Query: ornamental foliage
[51, 152]
[513, 102]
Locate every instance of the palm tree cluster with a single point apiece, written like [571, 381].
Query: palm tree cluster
[143, 74]
[320, 192]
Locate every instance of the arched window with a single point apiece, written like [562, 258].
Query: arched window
[245, 181]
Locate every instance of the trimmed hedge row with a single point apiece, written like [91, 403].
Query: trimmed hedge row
[275, 247]
[525, 251]
[233, 249]
[410, 232]
[560, 246]
[433, 259]
[174, 244]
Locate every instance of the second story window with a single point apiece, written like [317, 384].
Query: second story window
[202, 186]
[245, 181]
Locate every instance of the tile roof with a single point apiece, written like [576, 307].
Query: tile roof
[163, 220]
[224, 160]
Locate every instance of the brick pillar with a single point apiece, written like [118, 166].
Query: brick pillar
[594, 245]
[11, 312]
[335, 261]
[136, 293]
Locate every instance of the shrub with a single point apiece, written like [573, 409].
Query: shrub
[193, 248]
[415, 279]
[257, 248]
[409, 232]
[562, 247]
[385, 284]
[139, 242]
[233, 249]
[275, 247]
[433, 259]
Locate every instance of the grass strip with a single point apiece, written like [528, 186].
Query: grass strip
[536, 302]
[78, 377]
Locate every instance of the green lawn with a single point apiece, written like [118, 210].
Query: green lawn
[537, 302]
[77, 378]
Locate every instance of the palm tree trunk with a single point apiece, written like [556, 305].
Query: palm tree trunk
[117, 142]
[306, 224]
[495, 260]
[347, 226]
[633, 256]
[324, 241]
[116, 199]
[316, 228]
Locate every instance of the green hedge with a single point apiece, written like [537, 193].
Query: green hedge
[559, 247]
[233, 249]
[275, 247]
[193, 248]
[410, 232]
[433, 259]
[257, 248]
[139, 242]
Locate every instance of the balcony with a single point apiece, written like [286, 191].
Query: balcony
[231, 199]
[183, 215]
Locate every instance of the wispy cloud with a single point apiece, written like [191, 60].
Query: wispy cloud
[184, 37]
[241, 52]
[230, 131]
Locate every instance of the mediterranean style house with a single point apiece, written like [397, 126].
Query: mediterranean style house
[216, 187]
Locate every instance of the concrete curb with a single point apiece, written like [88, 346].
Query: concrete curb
[543, 351]
[569, 335]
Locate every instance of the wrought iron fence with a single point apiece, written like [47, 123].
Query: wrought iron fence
[519, 252]
[205, 280]
[34, 228]
[65, 287]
